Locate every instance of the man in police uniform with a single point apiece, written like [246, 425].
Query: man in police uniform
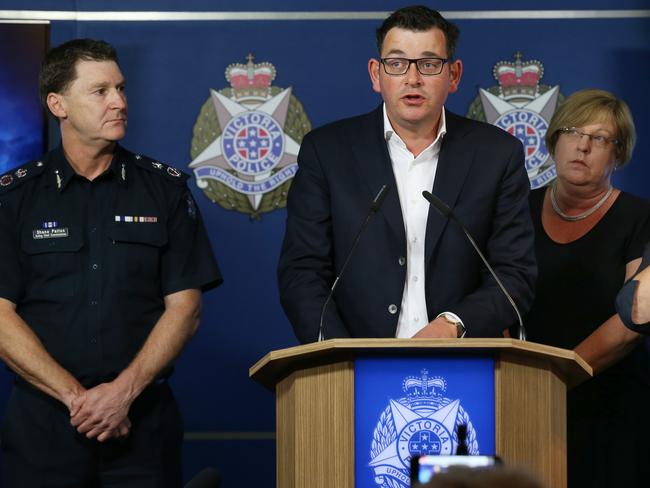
[104, 257]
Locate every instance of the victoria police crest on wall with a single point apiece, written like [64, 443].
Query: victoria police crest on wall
[423, 422]
[246, 141]
[523, 107]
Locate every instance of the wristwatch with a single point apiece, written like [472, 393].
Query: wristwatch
[453, 319]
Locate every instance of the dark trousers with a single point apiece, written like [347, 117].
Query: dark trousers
[41, 449]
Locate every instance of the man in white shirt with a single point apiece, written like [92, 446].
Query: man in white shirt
[414, 274]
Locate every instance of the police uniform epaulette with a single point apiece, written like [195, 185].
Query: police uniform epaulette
[17, 176]
[169, 172]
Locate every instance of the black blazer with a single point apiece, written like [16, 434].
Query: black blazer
[342, 166]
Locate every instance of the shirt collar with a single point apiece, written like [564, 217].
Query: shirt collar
[390, 133]
[63, 173]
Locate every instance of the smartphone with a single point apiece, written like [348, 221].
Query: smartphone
[423, 468]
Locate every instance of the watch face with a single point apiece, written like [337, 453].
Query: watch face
[460, 330]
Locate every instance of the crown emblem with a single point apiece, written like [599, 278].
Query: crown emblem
[423, 386]
[518, 80]
[250, 80]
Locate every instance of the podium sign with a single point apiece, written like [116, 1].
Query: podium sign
[352, 412]
[414, 405]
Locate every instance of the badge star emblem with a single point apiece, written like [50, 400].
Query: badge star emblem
[528, 121]
[227, 109]
[495, 107]
[397, 452]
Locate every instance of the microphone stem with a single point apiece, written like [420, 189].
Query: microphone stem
[321, 337]
[374, 207]
[522, 331]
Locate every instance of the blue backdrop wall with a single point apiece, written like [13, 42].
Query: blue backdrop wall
[170, 67]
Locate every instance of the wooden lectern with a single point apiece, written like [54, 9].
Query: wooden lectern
[315, 410]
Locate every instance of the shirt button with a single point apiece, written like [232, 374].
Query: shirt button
[93, 302]
[416, 319]
[415, 278]
[392, 309]
[95, 266]
[401, 260]
[93, 229]
[93, 341]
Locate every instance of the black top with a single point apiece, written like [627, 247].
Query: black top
[578, 282]
[88, 263]
[607, 436]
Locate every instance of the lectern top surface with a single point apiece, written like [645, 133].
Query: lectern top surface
[277, 364]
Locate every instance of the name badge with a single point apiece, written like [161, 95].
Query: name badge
[50, 233]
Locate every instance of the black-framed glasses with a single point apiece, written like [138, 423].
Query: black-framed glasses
[598, 140]
[425, 66]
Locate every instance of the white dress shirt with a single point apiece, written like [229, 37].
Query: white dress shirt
[413, 175]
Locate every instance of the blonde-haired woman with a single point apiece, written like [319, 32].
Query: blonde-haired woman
[589, 240]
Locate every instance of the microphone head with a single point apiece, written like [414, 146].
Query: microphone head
[437, 203]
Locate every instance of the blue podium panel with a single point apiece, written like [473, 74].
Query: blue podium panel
[413, 405]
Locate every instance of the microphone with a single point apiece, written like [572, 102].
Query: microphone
[374, 206]
[446, 211]
[208, 478]
[462, 449]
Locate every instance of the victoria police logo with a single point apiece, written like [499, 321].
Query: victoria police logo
[246, 141]
[523, 107]
[423, 422]
[252, 143]
[529, 128]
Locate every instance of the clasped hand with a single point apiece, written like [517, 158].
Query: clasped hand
[101, 412]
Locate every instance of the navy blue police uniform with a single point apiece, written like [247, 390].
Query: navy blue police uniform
[625, 298]
[88, 264]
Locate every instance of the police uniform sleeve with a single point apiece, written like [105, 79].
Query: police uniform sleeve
[188, 260]
[11, 286]
[625, 298]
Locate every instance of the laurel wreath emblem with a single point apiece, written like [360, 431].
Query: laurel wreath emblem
[207, 129]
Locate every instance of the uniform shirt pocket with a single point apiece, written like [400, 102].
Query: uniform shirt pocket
[51, 260]
[136, 249]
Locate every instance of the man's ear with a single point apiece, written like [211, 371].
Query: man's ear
[455, 73]
[373, 71]
[56, 104]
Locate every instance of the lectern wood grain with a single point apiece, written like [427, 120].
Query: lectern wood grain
[315, 427]
[530, 417]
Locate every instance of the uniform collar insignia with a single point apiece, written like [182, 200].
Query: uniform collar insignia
[63, 172]
[120, 164]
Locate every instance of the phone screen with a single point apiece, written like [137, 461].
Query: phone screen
[423, 468]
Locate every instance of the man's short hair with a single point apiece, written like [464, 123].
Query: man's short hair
[419, 18]
[58, 69]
